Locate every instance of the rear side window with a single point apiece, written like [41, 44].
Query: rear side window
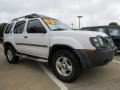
[101, 30]
[35, 26]
[8, 28]
[114, 31]
[19, 27]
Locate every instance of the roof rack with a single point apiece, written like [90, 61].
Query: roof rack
[27, 16]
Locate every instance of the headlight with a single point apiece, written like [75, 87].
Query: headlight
[98, 41]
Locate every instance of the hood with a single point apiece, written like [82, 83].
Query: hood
[80, 33]
[76, 39]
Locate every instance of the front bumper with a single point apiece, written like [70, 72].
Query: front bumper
[98, 57]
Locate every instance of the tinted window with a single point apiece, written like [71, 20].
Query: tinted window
[8, 28]
[19, 27]
[114, 32]
[101, 30]
[87, 29]
[35, 26]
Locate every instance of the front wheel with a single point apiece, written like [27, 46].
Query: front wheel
[66, 66]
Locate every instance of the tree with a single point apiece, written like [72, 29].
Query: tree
[2, 27]
[113, 24]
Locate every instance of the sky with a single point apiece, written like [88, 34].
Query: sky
[94, 12]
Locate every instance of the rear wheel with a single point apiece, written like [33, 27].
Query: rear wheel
[66, 66]
[116, 53]
[10, 55]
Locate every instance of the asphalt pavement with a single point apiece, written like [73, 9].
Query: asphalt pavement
[30, 75]
[26, 75]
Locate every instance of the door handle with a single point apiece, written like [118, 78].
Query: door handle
[25, 37]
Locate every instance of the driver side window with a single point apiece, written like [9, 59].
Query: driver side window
[35, 26]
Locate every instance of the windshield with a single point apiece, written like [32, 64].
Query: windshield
[114, 31]
[56, 25]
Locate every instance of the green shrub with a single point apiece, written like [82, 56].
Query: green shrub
[2, 27]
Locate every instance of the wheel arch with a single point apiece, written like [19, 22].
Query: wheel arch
[6, 44]
[57, 47]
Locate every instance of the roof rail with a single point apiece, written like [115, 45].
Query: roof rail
[27, 16]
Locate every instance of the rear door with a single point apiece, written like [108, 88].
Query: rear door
[18, 32]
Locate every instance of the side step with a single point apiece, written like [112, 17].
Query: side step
[33, 58]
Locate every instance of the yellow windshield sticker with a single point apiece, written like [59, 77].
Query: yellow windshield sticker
[49, 21]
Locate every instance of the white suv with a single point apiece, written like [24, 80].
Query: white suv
[48, 40]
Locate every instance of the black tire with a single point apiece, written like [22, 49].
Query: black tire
[116, 53]
[14, 58]
[75, 65]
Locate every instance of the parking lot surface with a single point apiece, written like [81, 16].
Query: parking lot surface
[28, 75]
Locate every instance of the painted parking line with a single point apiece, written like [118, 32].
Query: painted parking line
[116, 61]
[60, 84]
[55, 80]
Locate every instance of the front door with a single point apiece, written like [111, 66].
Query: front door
[36, 39]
